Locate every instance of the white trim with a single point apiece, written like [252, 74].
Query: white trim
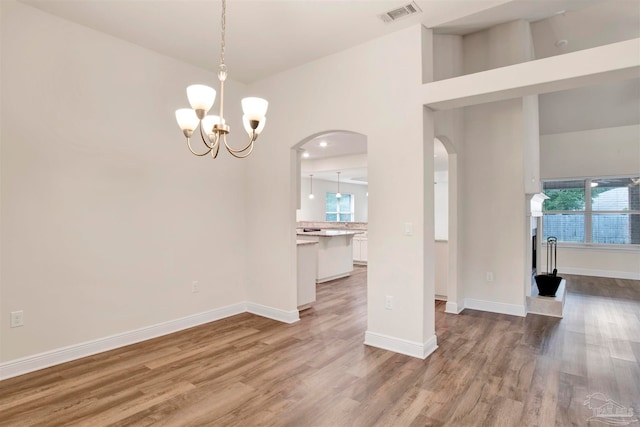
[452, 308]
[46, 359]
[399, 345]
[597, 247]
[614, 274]
[495, 307]
[284, 316]
[24, 365]
[440, 297]
[544, 314]
[334, 277]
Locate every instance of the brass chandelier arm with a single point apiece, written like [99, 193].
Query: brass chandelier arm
[196, 153]
[214, 151]
[252, 139]
[207, 141]
[234, 152]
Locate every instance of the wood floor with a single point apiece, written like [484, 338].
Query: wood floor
[489, 370]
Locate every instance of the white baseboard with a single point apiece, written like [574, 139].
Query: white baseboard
[495, 307]
[453, 308]
[273, 313]
[600, 273]
[398, 345]
[47, 359]
[440, 297]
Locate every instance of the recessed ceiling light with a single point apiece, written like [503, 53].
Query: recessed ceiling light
[305, 154]
[561, 12]
[323, 144]
[562, 43]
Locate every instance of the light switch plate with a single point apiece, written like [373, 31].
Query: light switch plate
[17, 318]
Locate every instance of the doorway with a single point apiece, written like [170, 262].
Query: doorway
[331, 193]
[446, 224]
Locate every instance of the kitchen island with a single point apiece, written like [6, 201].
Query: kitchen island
[335, 252]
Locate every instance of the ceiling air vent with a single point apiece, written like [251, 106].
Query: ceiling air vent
[401, 12]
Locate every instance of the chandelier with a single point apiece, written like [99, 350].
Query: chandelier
[214, 129]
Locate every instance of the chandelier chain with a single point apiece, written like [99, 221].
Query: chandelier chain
[223, 29]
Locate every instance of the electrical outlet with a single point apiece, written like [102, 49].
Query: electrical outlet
[388, 302]
[195, 286]
[489, 276]
[17, 319]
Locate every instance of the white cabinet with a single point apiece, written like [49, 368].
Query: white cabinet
[335, 253]
[360, 246]
[364, 243]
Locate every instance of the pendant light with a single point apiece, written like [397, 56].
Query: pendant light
[338, 195]
[214, 129]
[311, 196]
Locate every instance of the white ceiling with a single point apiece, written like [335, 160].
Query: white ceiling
[607, 105]
[597, 25]
[338, 144]
[265, 37]
[357, 176]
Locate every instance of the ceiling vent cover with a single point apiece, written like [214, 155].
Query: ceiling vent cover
[401, 12]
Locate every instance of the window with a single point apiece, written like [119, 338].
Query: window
[593, 210]
[340, 210]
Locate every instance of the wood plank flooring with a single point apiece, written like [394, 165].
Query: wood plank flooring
[489, 370]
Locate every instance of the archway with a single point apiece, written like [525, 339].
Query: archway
[321, 164]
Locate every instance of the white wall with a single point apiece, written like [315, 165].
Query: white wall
[448, 56]
[595, 261]
[315, 209]
[441, 269]
[613, 104]
[106, 217]
[441, 206]
[491, 155]
[505, 44]
[493, 212]
[367, 89]
[597, 152]
[593, 153]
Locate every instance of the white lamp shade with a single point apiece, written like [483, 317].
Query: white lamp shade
[201, 97]
[247, 125]
[255, 108]
[208, 122]
[187, 119]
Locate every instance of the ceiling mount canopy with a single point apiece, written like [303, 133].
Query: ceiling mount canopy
[214, 129]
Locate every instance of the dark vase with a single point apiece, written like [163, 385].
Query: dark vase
[548, 284]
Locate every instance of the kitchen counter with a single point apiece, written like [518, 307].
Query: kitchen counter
[305, 242]
[328, 233]
[323, 225]
[335, 252]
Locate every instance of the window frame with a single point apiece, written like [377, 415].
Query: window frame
[588, 213]
[338, 212]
